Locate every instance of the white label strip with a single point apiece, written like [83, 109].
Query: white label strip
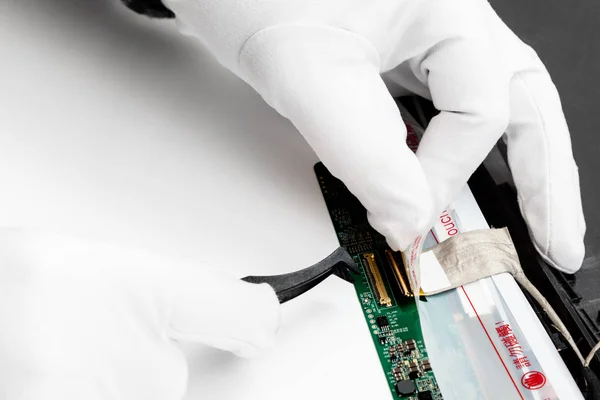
[433, 277]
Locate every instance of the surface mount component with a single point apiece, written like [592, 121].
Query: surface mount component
[382, 322]
[405, 388]
[425, 395]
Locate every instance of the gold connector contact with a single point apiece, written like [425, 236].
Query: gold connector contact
[400, 274]
[376, 280]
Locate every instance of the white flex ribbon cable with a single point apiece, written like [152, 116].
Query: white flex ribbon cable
[475, 255]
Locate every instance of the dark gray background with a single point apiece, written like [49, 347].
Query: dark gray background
[566, 36]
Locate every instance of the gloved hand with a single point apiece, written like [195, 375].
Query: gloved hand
[328, 66]
[88, 321]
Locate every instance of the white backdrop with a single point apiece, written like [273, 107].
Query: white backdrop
[117, 128]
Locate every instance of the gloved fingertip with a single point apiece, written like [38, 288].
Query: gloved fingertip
[565, 256]
[264, 338]
[225, 313]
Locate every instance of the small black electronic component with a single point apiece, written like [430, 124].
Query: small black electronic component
[411, 344]
[405, 387]
[382, 322]
[382, 340]
[426, 395]
[393, 358]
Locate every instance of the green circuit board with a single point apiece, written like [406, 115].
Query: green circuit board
[384, 295]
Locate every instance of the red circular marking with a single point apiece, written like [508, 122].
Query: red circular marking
[533, 380]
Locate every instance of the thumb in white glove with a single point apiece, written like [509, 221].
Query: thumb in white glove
[91, 321]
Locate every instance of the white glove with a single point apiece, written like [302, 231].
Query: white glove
[87, 321]
[319, 63]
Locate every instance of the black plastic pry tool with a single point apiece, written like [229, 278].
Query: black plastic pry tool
[293, 284]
